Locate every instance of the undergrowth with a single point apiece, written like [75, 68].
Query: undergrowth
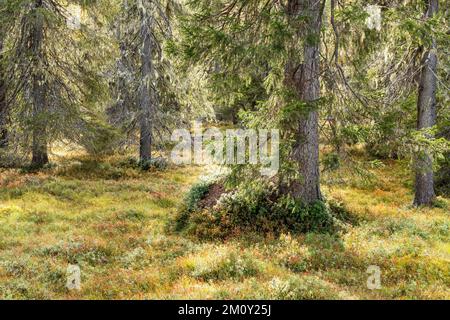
[257, 207]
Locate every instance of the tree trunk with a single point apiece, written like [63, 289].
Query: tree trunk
[3, 106]
[304, 80]
[145, 103]
[39, 148]
[426, 118]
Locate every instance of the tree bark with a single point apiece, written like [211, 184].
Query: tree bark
[39, 147]
[426, 118]
[304, 80]
[3, 106]
[145, 103]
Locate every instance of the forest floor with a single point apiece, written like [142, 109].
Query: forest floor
[110, 219]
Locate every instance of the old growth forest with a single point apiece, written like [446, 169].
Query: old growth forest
[93, 93]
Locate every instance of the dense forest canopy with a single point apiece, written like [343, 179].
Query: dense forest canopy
[332, 73]
[226, 149]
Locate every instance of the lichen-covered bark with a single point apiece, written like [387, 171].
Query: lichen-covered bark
[426, 118]
[304, 79]
[39, 147]
[145, 103]
[3, 106]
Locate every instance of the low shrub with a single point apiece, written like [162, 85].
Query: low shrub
[221, 263]
[300, 288]
[257, 207]
[153, 164]
[78, 252]
[190, 204]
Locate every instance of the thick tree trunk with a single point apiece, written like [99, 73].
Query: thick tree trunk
[426, 118]
[3, 106]
[304, 80]
[39, 147]
[145, 103]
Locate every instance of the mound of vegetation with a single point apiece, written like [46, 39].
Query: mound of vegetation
[211, 212]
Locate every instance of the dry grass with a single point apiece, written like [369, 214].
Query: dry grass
[110, 219]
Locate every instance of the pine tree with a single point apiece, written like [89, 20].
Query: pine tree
[3, 103]
[6, 24]
[39, 87]
[143, 74]
[304, 79]
[147, 101]
[278, 43]
[426, 117]
[55, 74]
